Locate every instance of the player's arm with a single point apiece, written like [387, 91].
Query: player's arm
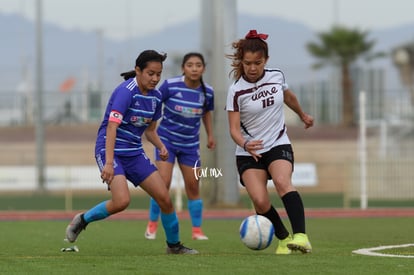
[154, 138]
[292, 102]
[107, 173]
[235, 132]
[208, 125]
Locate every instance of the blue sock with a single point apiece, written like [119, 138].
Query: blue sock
[171, 227]
[195, 207]
[96, 213]
[154, 210]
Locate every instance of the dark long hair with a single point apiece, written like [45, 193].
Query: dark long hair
[201, 57]
[142, 61]
[241, 47]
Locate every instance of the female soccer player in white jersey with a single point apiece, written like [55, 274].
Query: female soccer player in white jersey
[255, 112]
[187, 100]
[133, 110]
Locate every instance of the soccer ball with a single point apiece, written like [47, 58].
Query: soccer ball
[256, 232]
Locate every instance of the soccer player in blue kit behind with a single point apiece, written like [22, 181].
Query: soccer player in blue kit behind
[187, 100]
[133, 110]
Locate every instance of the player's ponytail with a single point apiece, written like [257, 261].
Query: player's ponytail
[129, 74]
[203, 86]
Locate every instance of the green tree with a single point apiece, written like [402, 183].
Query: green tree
[341, 47]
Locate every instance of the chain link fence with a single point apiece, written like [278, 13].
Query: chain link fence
[389, 146]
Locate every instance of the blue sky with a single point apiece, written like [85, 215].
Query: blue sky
[119, 18]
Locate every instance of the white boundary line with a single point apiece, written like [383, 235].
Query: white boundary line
[371, 251]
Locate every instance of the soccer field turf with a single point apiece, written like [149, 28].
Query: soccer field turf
[119, 247]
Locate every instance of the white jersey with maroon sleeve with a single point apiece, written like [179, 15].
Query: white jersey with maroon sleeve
[261, 109]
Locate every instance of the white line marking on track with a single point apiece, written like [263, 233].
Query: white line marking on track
[371, 251]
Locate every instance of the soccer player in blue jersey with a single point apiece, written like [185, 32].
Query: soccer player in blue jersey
[255, 106]
[187, 100]
[133, 110]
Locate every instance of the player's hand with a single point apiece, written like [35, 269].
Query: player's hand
[252, 146]
[107, 174]
[163, 153]
[211, 143]
[308, 120]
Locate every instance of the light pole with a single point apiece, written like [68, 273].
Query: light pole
[39, 123]
[219, 29]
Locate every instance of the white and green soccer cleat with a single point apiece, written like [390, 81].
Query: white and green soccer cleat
[282, 248]
[300, 243]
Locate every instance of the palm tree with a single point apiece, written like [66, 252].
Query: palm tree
[341, 47]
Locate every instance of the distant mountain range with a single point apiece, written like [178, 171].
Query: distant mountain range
[80, 54]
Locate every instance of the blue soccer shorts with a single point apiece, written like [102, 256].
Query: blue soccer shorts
[185, 156]
[135, 168]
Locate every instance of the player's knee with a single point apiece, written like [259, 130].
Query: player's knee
[261, 205]
[192, 192]
[165, 204]
[121, 204]
[283, 184]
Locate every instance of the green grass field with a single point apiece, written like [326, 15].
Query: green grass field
[118, 247]
[33, 201]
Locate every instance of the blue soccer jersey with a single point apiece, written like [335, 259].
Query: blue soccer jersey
[134, 111]
[183, 110]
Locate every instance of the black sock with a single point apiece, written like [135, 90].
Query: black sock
[295, 211]
[83, 222]
[173, 244]
[280, 230]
